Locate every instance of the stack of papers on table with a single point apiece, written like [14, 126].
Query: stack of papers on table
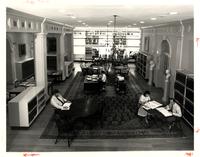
[94, 76]
[164, 111]
[89, 78]
[120, 78]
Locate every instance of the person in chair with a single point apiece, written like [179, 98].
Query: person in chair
[58, 102]
[103, 80]
[144, 98]
[175, 109]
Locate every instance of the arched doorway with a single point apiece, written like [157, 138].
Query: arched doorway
[9, 69]
[164, 59]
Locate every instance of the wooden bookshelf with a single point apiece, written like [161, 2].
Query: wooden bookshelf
[142, 64]
[184, 94]
[88, 53]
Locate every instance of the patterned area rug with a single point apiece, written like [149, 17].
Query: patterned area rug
[119, 116]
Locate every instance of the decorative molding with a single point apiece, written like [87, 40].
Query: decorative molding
[17, 21]
[56, 27]
[22, 22]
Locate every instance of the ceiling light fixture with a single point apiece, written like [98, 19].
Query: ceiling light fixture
[79, 21]
[134, 24]
[110, 21]
[83, 23]
[153, 18]
[173, 13]
[73, 17]
[141, 21]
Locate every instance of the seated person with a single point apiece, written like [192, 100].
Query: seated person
[59, 102]
[120, 78]
[82, 65]
[176, 112]
[119, 82]
[103, 80]
[144, 98]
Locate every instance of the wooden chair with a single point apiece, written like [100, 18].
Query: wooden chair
[121, 87]
[176, 124]
[17, 83]
[136, 102]
[125, 72]
[65, 128]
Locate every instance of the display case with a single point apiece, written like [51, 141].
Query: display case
[184, 94]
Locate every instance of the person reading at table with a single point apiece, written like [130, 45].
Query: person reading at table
[103, 80]
[59, 102]
[175, 109]
[144, 98]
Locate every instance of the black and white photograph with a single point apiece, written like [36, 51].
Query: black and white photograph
[100, 77]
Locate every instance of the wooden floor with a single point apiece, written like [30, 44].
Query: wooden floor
[28, 140]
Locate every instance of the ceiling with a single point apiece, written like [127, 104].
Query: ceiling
[92, 14]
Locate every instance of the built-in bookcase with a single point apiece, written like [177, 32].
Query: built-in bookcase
[142, 64]
[184, 94]
[25, 107]
[88, 53]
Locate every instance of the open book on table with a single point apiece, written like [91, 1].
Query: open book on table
[164, 112]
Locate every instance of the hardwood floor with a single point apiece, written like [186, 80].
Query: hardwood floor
[28, 140]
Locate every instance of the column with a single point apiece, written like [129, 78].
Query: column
[72, 47]
[62, 55]
[179, 53]
[13, 60]
[40, 60]
[166, 87]
[151, 68]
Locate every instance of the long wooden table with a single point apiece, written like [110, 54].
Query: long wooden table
[158, 111]
[91, 84]
[156, 107]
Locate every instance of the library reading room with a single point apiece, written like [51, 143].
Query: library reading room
[99, 77]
